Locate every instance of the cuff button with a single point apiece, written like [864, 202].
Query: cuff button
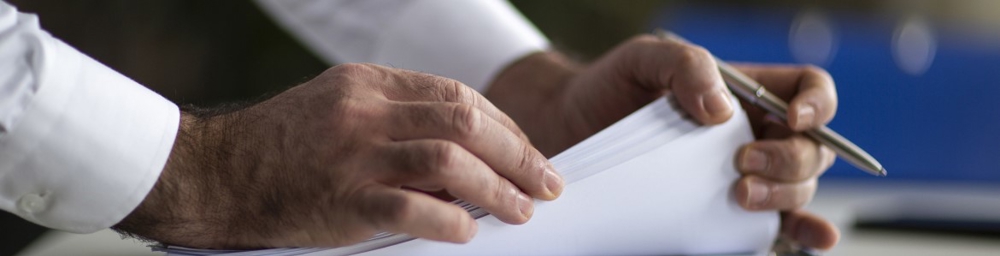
[31, 203]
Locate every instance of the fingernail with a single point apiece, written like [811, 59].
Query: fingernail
[716, 103]
[806, 115]
[757, 193]
[753, 160]
[553, 182]
[525, 204]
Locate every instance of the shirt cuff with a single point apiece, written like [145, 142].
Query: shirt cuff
[88, 148]
[469, 41]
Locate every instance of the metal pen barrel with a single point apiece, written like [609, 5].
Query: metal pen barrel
[748, 89]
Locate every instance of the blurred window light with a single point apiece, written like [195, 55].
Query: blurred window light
[913, 46]
[811, 38]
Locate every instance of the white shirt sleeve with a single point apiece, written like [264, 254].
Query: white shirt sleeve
[467, 40]
[80, 144]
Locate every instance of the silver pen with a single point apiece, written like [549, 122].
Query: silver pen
[750, 90]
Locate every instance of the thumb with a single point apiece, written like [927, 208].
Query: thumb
[689, 72]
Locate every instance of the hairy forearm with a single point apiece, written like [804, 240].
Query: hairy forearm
[529, 91]
[175, 209]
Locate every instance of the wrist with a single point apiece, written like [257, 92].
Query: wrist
[173, 211]
[530, 90]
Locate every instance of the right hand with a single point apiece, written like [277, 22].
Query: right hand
[333, 161]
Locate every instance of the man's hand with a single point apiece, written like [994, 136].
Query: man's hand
[780, 169]
[331, 162]
[559, 104]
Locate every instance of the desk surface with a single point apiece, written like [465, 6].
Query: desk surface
[843, 202]
[837, 201]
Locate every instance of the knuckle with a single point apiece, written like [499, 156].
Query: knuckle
[818, 73]
[828, 157]
[352, 109]
[466, 120]
[787, 197]
[348, 78]
[805, 194]
[400, 210]
[350, 69]
[387, 210]
[445, 156]
[454, 91]
[814, 70]
[693, 54]
[802, 151]
[792, 158]
[644, 40]
[528, 165]
[502, 193]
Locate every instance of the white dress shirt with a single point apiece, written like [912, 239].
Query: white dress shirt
[467, 40]
[81, 145]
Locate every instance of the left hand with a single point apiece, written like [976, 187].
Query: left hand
[558, 104]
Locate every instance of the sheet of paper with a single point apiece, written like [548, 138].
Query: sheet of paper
[653, 183]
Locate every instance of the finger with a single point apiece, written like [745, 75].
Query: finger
[405, 85]
[487, 139]
[811, 91]
[756, 193]
[439, 163]
[690, 72]
[796, 158]
[400, 211]
[809, 230]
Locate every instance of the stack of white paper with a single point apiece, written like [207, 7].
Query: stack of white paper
[653, 183]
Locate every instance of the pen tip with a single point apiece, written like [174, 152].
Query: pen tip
[882, 172]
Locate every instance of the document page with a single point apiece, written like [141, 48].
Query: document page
[653, 183]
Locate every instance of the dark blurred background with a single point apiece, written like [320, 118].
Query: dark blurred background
[916, 78]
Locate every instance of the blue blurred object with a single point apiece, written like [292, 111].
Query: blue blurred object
[943, 125]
